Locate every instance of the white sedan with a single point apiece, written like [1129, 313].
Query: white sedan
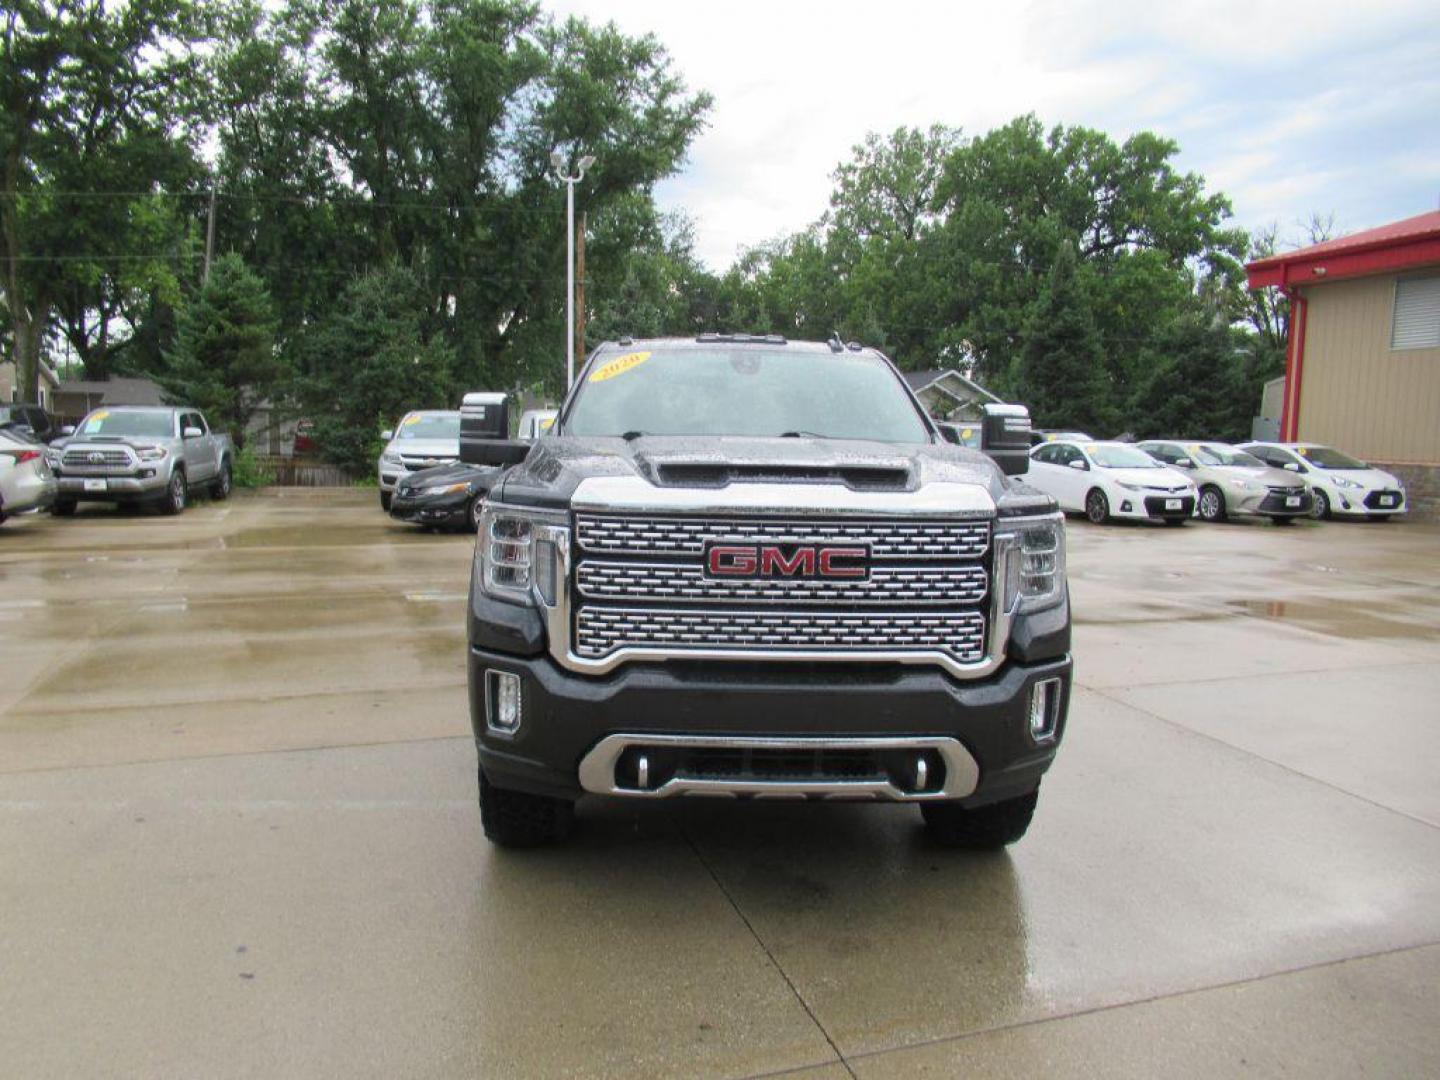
[1110, 479]
[1341, 485]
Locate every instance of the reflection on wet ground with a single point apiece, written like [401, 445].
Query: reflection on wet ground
[238, 826]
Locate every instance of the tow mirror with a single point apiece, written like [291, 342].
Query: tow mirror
[1005, 437]
[485, 431]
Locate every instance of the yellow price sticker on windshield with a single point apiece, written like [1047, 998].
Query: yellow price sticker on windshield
[412, 419]
[618, 366]
[1091, 448]
[92, 425]
[1302, 450]
[965, 433]
[547, 423]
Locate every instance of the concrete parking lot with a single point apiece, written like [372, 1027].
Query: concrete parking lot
[238, 833]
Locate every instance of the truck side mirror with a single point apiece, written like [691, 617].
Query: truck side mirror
[191, 433]
[387, 435]
[67, 429]
[1005, 437]
[485, 431]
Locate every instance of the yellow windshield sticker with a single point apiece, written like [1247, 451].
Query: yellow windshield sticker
[1091, 448]
[413, 418]
[965, 433]
[1050, 436]
[618, 366]
[96, 419]
[547, 423]
[1302, 450]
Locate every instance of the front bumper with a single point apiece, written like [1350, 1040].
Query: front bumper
[450, 509]
[127, 488]
[1151, 506]
[565, 716]
[29, 493]
[1345, 502]
[1270, 503]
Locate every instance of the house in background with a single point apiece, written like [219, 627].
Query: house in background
[10, 384]
[76, 397]
[1362, 366]
[948, 395]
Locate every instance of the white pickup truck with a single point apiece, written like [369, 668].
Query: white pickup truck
[132, 454]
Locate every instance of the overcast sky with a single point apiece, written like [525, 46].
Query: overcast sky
[1288, 109]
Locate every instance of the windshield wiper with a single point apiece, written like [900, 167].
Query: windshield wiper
[802, 435]
[631, 436]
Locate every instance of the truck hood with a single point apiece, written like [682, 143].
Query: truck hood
[439, 449]
[101, 442]
[558, 464]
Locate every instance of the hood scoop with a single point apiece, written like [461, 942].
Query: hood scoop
[856, 477]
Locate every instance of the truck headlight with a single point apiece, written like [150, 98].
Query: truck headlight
[1035, 563]
[515, 553]
[151, 453]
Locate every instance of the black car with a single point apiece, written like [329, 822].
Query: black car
[448, 495]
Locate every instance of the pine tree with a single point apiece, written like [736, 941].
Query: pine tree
[1062, 371]
[225, 362]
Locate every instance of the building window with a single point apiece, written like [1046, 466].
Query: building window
[1417, 314]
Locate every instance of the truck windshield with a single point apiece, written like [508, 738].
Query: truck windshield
[150, 424]
[444, 425]
[745, 390]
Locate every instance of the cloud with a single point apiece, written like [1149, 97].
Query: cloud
[1330, 106]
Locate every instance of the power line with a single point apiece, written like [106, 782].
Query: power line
[355, 202]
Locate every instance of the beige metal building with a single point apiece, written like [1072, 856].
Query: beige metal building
[1362, 368]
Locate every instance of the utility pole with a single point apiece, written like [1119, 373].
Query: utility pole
[580, 290]
[209, 236]
[557, 161]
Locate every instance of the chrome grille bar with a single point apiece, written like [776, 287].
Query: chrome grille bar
[928, 584]
[892, 539]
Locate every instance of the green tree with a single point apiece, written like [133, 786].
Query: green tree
[96, 104]
[369, 361]
[224, 361]
[1198, 383]
[1061, 374]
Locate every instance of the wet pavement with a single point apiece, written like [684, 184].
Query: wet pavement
[238, 833]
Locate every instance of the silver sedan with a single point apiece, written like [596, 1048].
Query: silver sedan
[26, 482]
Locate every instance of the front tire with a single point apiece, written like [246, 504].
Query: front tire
[385, 501]
[1320, 508]
[177, 493]
[1097, 507]
[473, 512]
[982, 828]
[220, 489]
[517, 819]
[1212, 504]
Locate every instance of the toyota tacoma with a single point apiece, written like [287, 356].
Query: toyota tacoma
[751, 567]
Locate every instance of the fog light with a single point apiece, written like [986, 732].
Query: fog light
[502, 701]
[1125, 507]
[1044, 710]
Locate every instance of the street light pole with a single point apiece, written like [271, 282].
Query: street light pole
[557, 160]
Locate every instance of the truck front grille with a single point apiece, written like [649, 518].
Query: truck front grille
[687, 536]
[85, 459]
[603, 630]
[641, 583]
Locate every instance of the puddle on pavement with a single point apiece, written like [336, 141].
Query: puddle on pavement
[1337, 619]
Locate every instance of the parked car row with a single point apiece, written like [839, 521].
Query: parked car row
[421, 478]
[1171, 480]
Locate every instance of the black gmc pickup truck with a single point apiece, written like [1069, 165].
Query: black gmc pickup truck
[753, 567]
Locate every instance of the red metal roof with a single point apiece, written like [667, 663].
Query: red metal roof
[1397, 246]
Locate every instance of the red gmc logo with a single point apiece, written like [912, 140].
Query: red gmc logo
[786, 560]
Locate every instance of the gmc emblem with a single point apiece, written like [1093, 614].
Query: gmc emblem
[724, 560]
